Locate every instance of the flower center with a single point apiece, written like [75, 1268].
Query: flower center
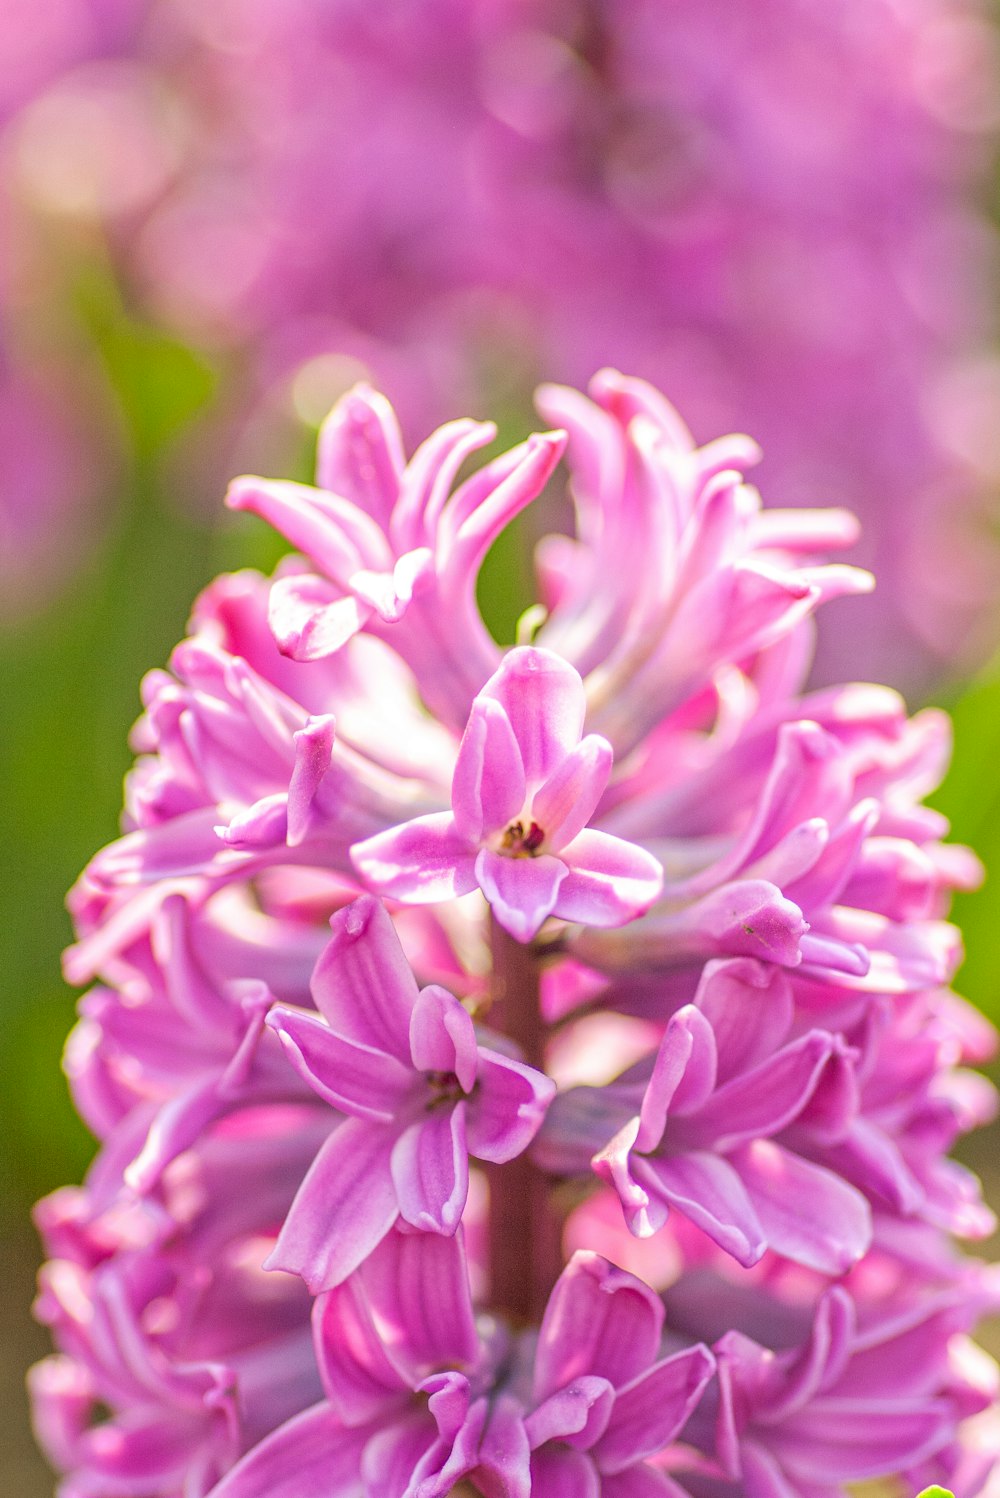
[445, 1088]
[517, 843]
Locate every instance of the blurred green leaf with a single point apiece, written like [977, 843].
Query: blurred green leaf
[970, 798]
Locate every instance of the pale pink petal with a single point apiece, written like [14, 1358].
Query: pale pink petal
[521, 891]
[508, 1107]
[599, 1320]
[568, 799]
[359, 453]
[651, 1410]
[336, 535]
[344, 1207]
[488, 788]
[442, 1036]
[312, 1456]
[808, 1214]
[418, 862]
[543, 697]
[709, 1192]
[311, 618]
[363, 984]
[313, 750]
[359, 1079]
[430, 1170]
[610, 881]
[418, 1284]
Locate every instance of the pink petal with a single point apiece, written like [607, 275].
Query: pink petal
[644, 1212]
[560, 1472]
[418, 862]
[709, 1192]
[808, 1214]
[344, 1207]
[336, 535]
[521, 891]
[312, 1456]
[640, 1481]
[363, 985]
[766, 1099]
[488, 788]
[442, 1036]
[359, 1079]
[610, 881]
[599, 1320]
[313, 751]
[430, 1170]
[310, 619]
[429, 476]
[568, 799]
[544, 699]
[393, 1455]
[359, 453]
[652, 1409]
[407, 1311]
[577, 1414]
[683, 1074]
[508, 1107]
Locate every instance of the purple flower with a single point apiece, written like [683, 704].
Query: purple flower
[420, 1093]
[603, 1400]
[525, 787]
[693, 1130]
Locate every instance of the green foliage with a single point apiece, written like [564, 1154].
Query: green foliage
[970, 798]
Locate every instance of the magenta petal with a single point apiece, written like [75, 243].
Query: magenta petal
[577, 1414]
[419, 861]
[488, 787]
[418, 1285]
[363, 984]
[312, 1456]
[358, 1079]
[559, 1472]
[430, 1170]
[442, 1036]
[568, 799]
[394, 1454]
[508, 1107]
[521, 891]
[644, 1211]
[407, 1311]
[651, 1410]
[710, 1193]
[766, 1099]
[610, 881]
[599, 1320]
[344, 1207]
[544, 699]
[683, 1074]
[640, 1481]
[808, 1214]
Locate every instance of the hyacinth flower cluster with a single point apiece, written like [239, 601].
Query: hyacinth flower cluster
[521, 1070]
[769, 208]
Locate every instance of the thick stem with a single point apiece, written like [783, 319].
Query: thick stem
[525, 1232]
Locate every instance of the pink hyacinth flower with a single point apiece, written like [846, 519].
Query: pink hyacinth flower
[526, 785]
[421, 1096]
